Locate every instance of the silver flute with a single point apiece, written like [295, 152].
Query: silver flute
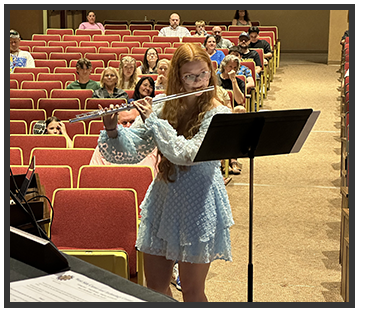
[123, 107]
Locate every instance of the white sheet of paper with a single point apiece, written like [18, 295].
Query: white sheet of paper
[67, 286]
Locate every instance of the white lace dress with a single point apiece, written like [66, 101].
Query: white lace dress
[186, 220]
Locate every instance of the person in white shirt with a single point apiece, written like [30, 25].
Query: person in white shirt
[18, 58]
[174, 29]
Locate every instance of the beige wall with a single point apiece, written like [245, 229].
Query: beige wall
[338, 25]
[315, 31]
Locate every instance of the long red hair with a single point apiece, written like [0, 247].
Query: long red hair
[175, 109]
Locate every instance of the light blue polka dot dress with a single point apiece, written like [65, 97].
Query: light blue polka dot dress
[187, 220]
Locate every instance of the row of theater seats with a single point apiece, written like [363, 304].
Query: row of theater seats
[345, 168]
[51, 153]
[106, 199]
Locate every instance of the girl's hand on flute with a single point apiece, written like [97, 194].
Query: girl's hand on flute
[110, 121]
[144, 106]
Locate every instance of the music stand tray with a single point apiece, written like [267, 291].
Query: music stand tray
[251, 135]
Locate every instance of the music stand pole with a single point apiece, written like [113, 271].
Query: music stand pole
[256, 134]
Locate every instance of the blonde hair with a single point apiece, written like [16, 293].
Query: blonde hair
[173, 110]
[114, 70]
[134, 78]
[200, 23]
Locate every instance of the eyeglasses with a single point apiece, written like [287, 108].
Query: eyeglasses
[191, 78]
[151, 54]
[14, 33]
[109, 75]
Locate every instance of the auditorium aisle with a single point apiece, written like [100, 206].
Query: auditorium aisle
[296, 223]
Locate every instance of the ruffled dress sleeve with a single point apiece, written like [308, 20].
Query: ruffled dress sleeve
[135, 143]
[178, 149]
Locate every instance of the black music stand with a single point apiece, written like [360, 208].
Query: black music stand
[251, 135]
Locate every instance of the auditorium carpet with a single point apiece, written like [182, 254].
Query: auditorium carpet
[296, 211]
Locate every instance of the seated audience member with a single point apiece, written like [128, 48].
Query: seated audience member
[126, 119]
[243, 42]
[149, 64]
[200, 28]
[145, 87]
[243, 70]
[54, 126]
[91, 24]
[228, 80]
[128, 76]
[18, 58]
[108, 85]
[83, 69]
[162, 69]
[241, 18]
[174, 29]
[256, 43]
[221, 42]
[210, 46]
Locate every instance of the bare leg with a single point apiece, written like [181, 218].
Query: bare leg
[192, 278]
[158, 271]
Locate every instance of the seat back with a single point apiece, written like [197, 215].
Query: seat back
[95, 44]
[21, 103]
[46, 37]
[63, 77]
[14, 84]
[68, 56]
[50, 104]
[95, 126]
[75, 158]
[77, 38]
[28, 115]
[28, 142]
[51, 177]
[106, 57]
[16, 156]
[133, 27]
[119, 32]
[34, 94]
[81, 94]
[106, 37]
[96, 219]
[48, 49]
[81, 49]
[64, 44]
[117, 176]
[34, 70]
[20, 77]
[18, 127]
[170, 39]
[90, 32]
[46, 85]
[31, 43]
[50, 63]
[61, 32]
[92, 103]
[85, 141]
[136, 38]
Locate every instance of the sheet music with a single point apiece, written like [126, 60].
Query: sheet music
[66, 286]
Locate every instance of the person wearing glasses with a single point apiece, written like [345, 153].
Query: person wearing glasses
[108, 85]
[18, 58]
[186, 213]
[149, 64]
[210, 45]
